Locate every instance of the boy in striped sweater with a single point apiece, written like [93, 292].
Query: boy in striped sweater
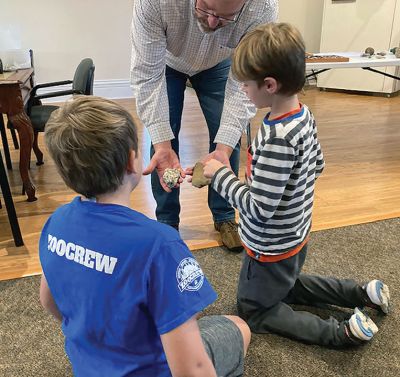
[275, 204]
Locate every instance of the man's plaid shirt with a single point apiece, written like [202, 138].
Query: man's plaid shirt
[166, 32]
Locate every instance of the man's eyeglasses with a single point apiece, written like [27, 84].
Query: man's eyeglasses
[226, 20]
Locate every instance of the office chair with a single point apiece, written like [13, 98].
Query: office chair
[39, 114]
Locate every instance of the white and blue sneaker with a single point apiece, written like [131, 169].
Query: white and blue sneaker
[361, 326]
[378, 294]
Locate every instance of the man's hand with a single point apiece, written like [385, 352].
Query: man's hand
[211, 167]
[164, 157]
[222, 153]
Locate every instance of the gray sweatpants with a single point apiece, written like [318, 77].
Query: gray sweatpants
[223, 342]
[266, 289]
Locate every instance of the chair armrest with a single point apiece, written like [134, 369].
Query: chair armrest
[58, 94]
[49, 95]
[48, 85]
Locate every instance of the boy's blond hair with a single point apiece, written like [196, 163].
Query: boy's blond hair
[272, 50]
[89, 139]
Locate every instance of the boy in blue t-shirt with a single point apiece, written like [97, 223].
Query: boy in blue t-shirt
[275, 204]
[125, 288]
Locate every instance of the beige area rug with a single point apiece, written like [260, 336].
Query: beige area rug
[31, 343]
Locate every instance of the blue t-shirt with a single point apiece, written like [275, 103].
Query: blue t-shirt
[120, 280]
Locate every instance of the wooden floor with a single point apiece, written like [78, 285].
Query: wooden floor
[360, 137]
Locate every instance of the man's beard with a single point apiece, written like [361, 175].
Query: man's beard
[203, 26]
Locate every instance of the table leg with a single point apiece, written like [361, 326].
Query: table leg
[12, 216]
[5, 143]
[36, 149]
[23, 126]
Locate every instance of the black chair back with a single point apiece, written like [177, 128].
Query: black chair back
[84, 76]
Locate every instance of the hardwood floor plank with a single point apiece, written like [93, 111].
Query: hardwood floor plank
[360, 138]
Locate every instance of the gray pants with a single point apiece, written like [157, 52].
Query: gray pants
[266, 289]
[223, 342]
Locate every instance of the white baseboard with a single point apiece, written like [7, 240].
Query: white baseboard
[103, 88]
[113, 89]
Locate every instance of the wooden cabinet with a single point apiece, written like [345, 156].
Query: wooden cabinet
[354, 25]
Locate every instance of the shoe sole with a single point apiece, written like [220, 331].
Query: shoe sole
[379, 294]
[385, 295]
[361, 326]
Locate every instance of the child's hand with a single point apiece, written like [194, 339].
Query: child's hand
[211, 166]
[189, 173]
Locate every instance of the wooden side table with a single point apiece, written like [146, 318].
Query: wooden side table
[14, 90]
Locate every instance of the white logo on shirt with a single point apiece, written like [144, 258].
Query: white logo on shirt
[79, 254]
[189, 275]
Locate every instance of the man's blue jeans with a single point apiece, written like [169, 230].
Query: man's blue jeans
[210, 90]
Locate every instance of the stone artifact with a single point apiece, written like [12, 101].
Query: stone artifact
[369, 51]
[171, 177]
[198, 179]
[395, 51]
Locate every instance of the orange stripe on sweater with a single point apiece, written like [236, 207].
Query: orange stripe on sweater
[275, 258]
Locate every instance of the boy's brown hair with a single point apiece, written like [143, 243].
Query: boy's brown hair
[89, 139]
[272, 50]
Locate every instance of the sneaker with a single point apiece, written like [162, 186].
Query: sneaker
[361, 326]
[378, 294]
[229, 235]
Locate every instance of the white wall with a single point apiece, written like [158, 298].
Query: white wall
[62, 32]
[306, 15]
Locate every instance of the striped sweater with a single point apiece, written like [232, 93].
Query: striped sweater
[275, 204]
